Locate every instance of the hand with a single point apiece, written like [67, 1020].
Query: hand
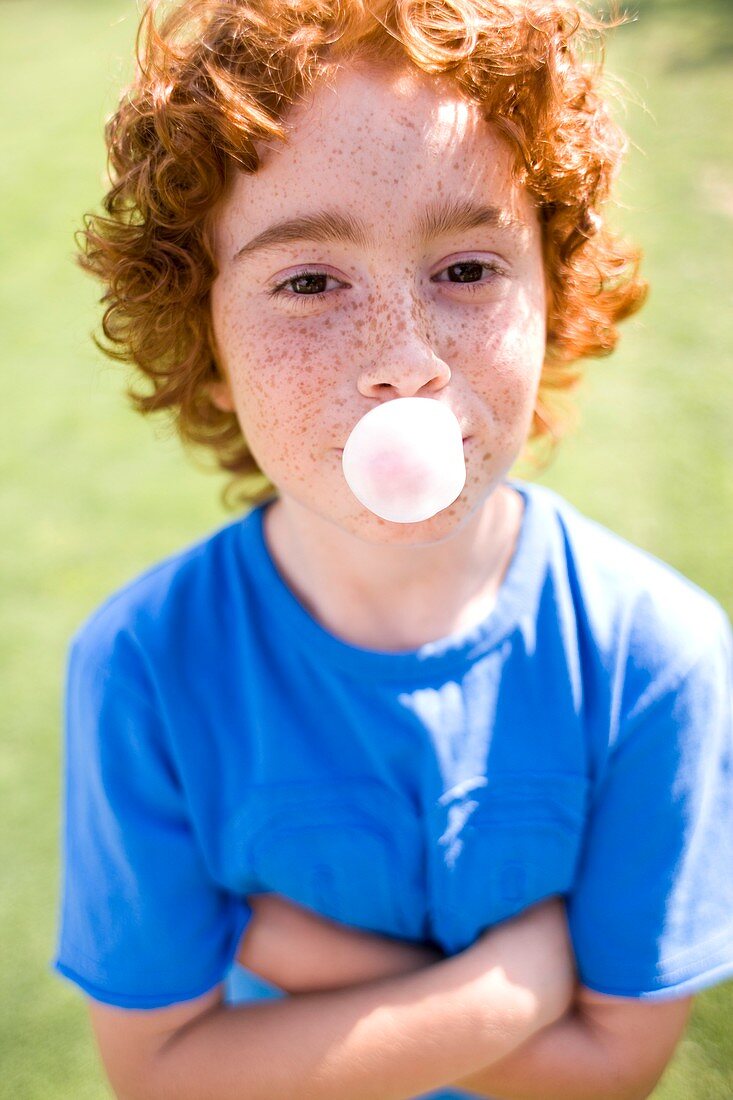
[536, 957]
[302, 951]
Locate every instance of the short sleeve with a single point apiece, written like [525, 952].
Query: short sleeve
[651, 911]
[142, 924]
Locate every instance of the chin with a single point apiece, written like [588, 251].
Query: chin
[443, 525]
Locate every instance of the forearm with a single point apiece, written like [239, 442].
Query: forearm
[568, 1060]
[301, 952]
[388, 1039]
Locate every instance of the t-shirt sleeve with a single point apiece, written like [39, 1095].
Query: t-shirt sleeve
[142, 924]
[651, 911]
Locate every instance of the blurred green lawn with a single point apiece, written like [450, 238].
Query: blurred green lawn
[92, 494]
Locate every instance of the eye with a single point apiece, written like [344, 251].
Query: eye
[311, 283]
[469, 273]
[308, 283]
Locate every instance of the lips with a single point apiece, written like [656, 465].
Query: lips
[340, 450]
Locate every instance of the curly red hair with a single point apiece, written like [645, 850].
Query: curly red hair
[216, 76]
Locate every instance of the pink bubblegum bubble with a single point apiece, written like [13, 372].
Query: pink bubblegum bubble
[404, 459]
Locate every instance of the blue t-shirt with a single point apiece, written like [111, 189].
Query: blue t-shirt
[579, 741]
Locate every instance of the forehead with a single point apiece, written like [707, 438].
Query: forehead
[358, 102]
[384, 142]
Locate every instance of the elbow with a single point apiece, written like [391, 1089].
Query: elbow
[144, 1088]
[158, 1078]
[637, 1092]
[126, 1085]
[641, 1090]
[639, 1086]
[153, 1087]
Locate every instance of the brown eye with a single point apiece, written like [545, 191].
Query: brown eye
[310, 282]
[470, 272]
[305, 285]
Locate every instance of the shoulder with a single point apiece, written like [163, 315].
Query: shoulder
[156, 609]
[643, 618]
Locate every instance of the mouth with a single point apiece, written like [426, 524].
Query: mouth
[466, 438]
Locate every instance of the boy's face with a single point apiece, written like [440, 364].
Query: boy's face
[393, 313]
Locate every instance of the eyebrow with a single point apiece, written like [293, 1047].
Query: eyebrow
[438, 219]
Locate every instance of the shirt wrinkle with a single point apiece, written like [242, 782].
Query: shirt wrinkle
[424, 796]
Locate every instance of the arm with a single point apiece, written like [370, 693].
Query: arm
[394, 1037]
[300, 951]
[603, 1047]
[610, 1048]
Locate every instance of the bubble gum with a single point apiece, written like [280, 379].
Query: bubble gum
[404, 459]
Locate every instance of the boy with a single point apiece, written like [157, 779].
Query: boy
[461, 787]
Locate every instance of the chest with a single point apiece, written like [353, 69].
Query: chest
[357, 852]
[429, 813]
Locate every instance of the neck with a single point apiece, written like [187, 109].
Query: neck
[389, 597]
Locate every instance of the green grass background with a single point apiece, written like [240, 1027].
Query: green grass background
[91, 494]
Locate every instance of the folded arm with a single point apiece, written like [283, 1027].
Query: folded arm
[605, 1047]
[393, 1037]
[441, 1022]
[608, 1048]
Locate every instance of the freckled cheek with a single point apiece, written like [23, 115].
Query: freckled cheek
[509, 342]
[501, 358]
[288, 388]
[259, 353]
[301, 362]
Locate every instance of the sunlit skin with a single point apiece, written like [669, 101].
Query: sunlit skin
[390, 317]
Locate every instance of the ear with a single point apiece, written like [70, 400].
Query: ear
[221, 395]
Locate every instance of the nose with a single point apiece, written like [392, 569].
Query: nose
[408, 367]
